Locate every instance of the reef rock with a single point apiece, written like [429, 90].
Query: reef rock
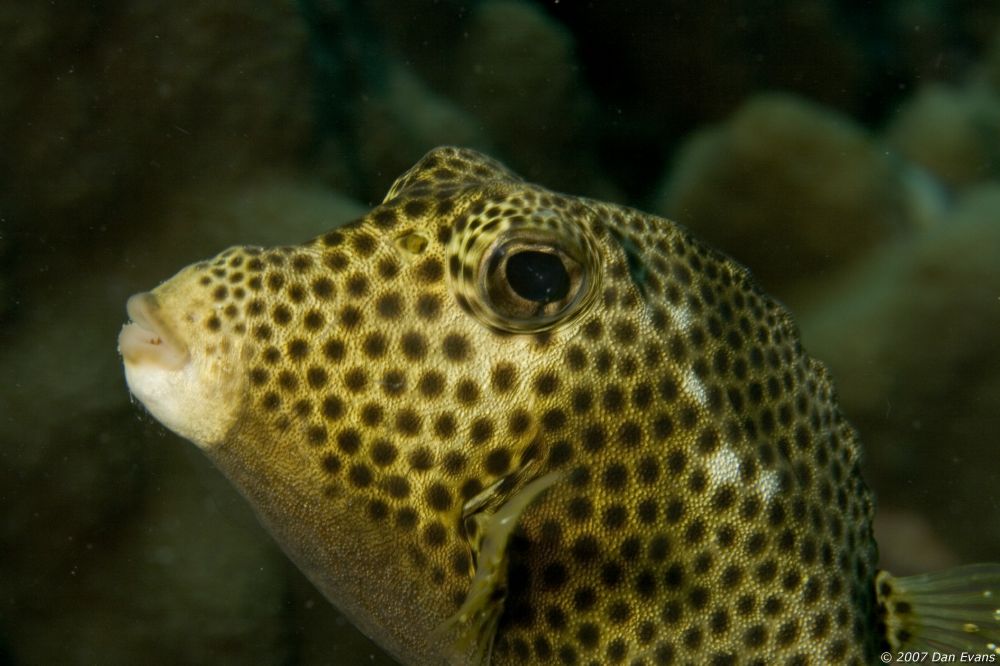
[953, 132]
[105, 103]
[789, 187]
[117, 543]
[911, 338]
[184, 576]
[406, 120]
[518, 75]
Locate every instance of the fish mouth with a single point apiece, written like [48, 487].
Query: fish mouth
[147, 340]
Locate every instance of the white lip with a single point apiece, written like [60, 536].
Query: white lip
[147, 339]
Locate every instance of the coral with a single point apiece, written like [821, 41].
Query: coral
[908, 545]
[267, 209]
[953, 132]
[789, 188]
[101, 102]
[910, 337]
[114, 526]
[396, 128]
[190, 561]
[516, 73]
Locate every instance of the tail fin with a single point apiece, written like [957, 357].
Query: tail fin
[949, 612]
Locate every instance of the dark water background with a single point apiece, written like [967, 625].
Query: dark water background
[848, 152]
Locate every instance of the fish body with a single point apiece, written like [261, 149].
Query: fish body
[497, 424]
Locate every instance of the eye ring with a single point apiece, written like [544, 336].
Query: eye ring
[531, 279]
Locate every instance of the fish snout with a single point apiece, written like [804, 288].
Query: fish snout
[148, 339]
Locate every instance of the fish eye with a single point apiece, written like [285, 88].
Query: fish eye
[530, 282]
[537, 276]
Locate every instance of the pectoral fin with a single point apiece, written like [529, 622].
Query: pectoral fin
[490, 524]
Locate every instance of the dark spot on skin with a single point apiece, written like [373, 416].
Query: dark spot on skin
[415, 208]
[389, 306]
[553, 419]
[271, 401]
[546, 383]
[580, 509]
[316, 435]
[466, 391]
[615, 477]
[560, 453]
[350, 317]
[593, 329]
[453, 463]
[360, 476]
[371, 414]
[275, 281]
[576, 358]
[435, 535]
[393, 382]
[316, 377]
[481, 430]
[378, 510]
[498, 462]
[428, 307]
[444, 426]
[333, 239]
[313, 320]
[302, 408]
[518, 422]
[287, 380]
[374, 345]
[298, 349]
[503, 377]
[331, 463]
[333, 350]
[388, 268]
[430, 270]
[356, 379]
[384, 453]
[349, 441]
[455, 347]
[438, 497]
[421, 459]
[431, 384]
[408, 422]
[414, 345]
[385, 218]
[364, 244]
[322, 288]
[357, 285]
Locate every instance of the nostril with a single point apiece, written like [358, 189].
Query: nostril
[147, 339]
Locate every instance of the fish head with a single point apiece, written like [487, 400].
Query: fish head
[389, 371]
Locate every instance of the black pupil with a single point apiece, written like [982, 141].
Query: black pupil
[537, 276]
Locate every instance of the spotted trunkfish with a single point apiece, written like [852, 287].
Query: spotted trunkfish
[497, 424]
